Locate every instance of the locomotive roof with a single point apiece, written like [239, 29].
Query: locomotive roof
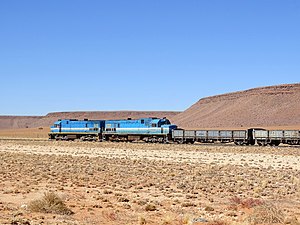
[153, 119]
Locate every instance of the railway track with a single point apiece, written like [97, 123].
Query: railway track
[217, 144]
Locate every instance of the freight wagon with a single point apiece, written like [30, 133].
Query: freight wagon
[275, 137]
[239, 137]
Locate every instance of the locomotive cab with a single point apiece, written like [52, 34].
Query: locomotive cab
[56, 128]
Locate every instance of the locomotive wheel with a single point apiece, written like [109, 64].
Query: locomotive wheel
[238, 143]
[166, 141]
[275, 143]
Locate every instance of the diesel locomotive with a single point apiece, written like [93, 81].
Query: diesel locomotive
[71, 129]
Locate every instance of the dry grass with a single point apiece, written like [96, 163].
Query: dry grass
[50, 203]
[41, 133]
[110, 215]
[142, 221]
[266, 214]
[150, 207]
[19, 221]
[218, 222]
[245, 203]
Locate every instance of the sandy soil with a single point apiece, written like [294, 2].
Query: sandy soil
[134, 183]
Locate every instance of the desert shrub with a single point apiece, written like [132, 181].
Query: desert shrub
[110, 215]
[188, 204]
[150, 207]
[246, 203]
[107, 192]
[50, 203]
[185, 220]
[142, 221]
[19, 221]
[217, 222]
[209, 209]
[251, 202]
[235, 200]
[266, 213]
[123, 199]
[166, 222]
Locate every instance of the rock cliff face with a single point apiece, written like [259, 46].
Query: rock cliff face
[258, 107]
[11, 122]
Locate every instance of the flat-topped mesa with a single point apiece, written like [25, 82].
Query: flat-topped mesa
[266, 106]
[9, 122]
[12, 122]
[269, 90]
[110, 114]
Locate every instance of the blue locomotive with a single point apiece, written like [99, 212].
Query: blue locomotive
[146, 129]
[72, 129]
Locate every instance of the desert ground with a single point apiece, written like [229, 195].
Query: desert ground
[138, 183]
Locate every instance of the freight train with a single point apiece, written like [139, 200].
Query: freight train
[160, 130]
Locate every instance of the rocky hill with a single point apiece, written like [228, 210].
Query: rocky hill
[258, 107]
[11, 122]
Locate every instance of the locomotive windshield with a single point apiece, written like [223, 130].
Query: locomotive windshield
[165, 122]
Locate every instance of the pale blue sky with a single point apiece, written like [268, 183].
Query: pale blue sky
[69, 55]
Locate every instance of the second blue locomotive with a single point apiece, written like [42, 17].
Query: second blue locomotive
[146, 129]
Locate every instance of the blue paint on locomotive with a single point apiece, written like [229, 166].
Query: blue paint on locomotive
[143, 126]
[77, 126]
[140, 127]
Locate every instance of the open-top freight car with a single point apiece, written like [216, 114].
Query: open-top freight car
[275, 137]
[239, 137]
